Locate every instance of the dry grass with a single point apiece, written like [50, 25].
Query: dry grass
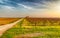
[7, 20]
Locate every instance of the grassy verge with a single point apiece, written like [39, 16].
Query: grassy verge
[49, 32]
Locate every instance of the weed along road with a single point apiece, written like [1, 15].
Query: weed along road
[4, 28]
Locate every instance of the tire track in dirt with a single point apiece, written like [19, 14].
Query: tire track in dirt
[30, 35]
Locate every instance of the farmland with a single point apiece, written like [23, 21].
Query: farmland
[4, 21]
[45, 27]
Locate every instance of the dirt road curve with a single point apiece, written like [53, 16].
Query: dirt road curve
[4, 28]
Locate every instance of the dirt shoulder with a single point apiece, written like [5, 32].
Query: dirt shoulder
[30, 35]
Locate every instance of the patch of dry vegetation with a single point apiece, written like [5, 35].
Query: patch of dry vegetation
[4, 21]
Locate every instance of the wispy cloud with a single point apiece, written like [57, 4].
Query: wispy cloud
[20, 7]
[1, 1]
[25, 6]
[8, 7]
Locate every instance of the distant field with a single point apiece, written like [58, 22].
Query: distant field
[7, 20]
[49, 29]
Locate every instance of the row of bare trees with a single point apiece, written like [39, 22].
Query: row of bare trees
[45, 23]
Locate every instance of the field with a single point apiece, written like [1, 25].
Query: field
[35, 28]
[4, 21]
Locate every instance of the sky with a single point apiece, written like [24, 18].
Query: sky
[32, 8]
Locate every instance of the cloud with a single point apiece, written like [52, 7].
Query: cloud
[27, 7]
[8, 7]
[28, 4]
[1, 1]
[24, 7]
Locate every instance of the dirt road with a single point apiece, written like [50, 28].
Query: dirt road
[29, 35]
[4, 28]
